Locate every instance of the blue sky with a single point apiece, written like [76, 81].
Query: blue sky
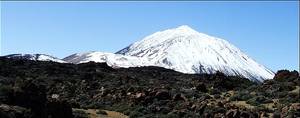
[266, 31]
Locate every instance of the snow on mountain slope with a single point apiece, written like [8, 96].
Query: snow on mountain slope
[186, 50]
[113, 60]
[35, 57]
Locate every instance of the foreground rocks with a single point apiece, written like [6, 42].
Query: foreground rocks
[30, 89]
[7, 111]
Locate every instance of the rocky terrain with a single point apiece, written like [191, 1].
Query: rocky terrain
[44, 89]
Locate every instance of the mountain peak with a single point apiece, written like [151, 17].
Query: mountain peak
[182, 30]
[185, 27]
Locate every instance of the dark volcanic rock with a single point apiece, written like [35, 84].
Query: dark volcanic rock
[286, 75]
[7, 111]
[59, 109]
[201, 87]
[45, 89]
[32, 96]
[179, 97]
[163, 95]
[233, 113]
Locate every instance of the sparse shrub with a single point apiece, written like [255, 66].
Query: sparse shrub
[281, 94]
[217, 96]
[214, 91]
[101, 112]
[214, 110]
[59, 109]
[263, 108]
[171, 115]
[201, 87]
[135, 114]
[287, 86]
[241, 96]
[258, 100]
[80, 114]
[276, 114]
[6, 92]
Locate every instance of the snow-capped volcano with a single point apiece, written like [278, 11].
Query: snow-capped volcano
[35, 57]
[186, 50]
[113, 60]
[181, 49]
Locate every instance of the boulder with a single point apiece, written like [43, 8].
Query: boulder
[232, 113]
[179, 97]
[163, 95]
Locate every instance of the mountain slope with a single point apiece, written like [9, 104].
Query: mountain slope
[186, 50]
[35, 57]
[113, 60]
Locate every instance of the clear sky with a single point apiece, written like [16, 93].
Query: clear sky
[266, 31]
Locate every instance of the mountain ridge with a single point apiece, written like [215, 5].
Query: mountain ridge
[35, 57]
